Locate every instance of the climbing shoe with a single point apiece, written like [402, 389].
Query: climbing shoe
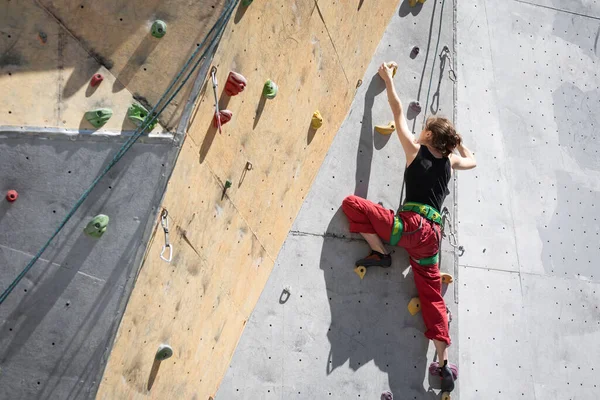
[375, 259]
[447, 378]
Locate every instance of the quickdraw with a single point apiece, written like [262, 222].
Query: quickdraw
[451, 236]
[164, 221]
[446, 53]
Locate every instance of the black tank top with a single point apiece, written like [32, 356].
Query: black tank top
[427, 179]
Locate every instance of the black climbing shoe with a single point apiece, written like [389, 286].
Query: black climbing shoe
[375, 259]
[447, 378]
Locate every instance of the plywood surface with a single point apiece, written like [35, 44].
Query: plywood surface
[45, 74]
[117, 33]
[200, 302]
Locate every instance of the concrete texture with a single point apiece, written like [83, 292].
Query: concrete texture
[337, 336]
[58, 323]
[528, 92]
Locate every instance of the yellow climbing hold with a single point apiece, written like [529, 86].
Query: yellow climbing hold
[413, 3]
[394, 68]
[386, 129]
[447, 278]
[317, 120]
[414, 306]
[360, 271]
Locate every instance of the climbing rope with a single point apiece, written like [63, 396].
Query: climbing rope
[437, 45]
[215, 31]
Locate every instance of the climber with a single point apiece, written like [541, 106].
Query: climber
[416, 227]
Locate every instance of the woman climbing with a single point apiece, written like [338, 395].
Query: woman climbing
[429, 163]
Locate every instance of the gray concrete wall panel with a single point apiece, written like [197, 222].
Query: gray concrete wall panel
[58, 323]
[338, 337]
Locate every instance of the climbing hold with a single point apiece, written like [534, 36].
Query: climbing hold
[225, 116]
[415, 51]
[98, 117]
[360, 271]
[96, 80]
[387, 395]
[446, 396]
[414, 306]
[317, 120]
[227, 184]
[394, 68]
[159, 28]
[236, 83]
[246, 3]
[43, 37]
[434, 369]
[12, 195]
[270, 89]
[164, 351]
[413, 3]
[447, 278]
[137, 114]
[97, 226]
[386, 129]
[415, 106]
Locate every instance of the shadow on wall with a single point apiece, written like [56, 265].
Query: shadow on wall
[369, 318]
[100, 28]
[364, 156]
[406, 9]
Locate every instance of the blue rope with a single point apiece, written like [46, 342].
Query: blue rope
[219, 26]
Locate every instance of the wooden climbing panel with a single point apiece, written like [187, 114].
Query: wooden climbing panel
[225, 246]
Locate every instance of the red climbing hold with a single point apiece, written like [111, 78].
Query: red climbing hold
[225, 116]
[96, 79]
[236, 83]
[12, 195]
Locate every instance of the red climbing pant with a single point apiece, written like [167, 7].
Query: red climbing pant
[420, 238]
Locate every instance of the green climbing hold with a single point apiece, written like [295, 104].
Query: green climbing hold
[137, 113]
[164, 351]
[227, 184]
[98, 117]
[159, 28]
[246, 3]
[270, 89]
[97, 226]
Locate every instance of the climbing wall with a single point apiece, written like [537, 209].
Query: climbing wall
[56, 325]
[226, 242]
[528, 93]
[51, 49]
[334, 336]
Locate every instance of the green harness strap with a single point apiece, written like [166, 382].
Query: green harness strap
[423, 209]
[397, 229]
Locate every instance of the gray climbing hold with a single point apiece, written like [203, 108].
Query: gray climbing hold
[98, 117]
[159, 28]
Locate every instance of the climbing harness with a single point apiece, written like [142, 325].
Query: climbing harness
[212, 37]
[164, 221]
[451, 236]
[445, 53]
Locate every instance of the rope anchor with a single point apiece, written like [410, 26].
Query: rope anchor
[164, 221]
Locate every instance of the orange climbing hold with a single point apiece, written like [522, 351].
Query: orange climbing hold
[224, 117]
[236, 83]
